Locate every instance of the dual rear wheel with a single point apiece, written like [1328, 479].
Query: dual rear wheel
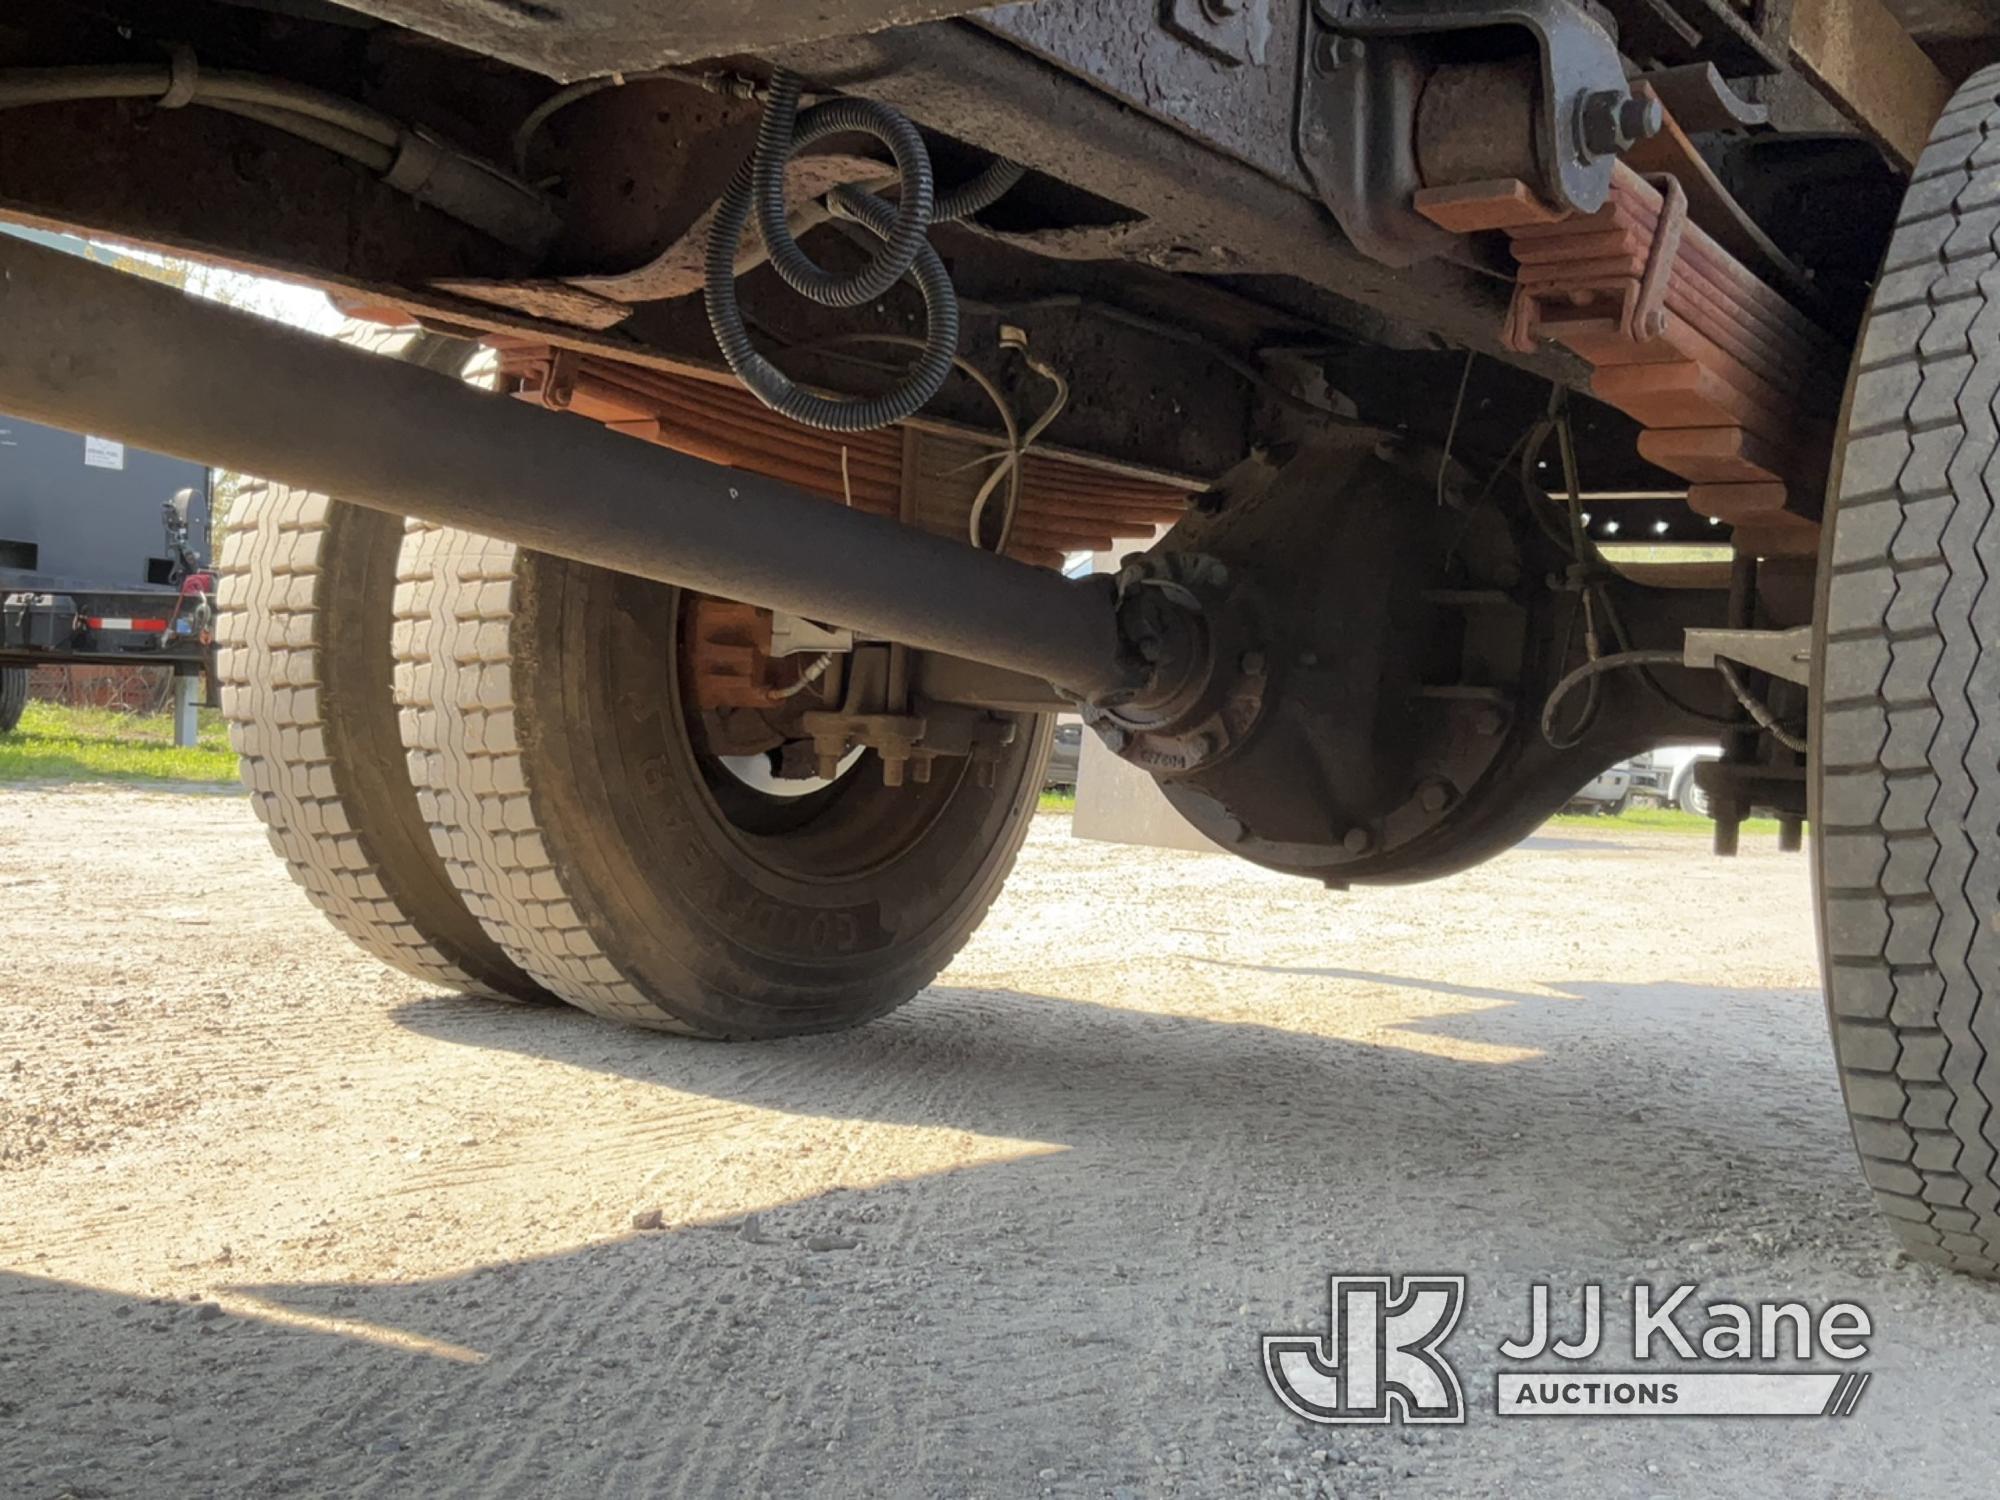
[633, 874]
[481, 764]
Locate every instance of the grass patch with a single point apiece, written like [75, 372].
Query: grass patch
[97, 744]
[1057, 802]
[1666, 819]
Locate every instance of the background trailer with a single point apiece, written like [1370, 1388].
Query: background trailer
[103, 552]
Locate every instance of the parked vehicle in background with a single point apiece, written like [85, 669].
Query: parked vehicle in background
[103, 553]
[1065, 755]
[1665, 778]
[1606, 792]
[1649, 781]
[1682, 791]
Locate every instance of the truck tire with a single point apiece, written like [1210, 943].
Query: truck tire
[632, 875]
[1906, 708]
[306, 588]
[1688, 797]
[13, 697]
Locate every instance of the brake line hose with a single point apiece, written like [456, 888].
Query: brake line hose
[902, 228]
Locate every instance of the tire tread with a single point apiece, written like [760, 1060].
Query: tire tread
[1906, 692]
[272, 627]
[455, 697]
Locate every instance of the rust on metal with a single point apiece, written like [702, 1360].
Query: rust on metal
[1476, 122]
[728, 654]
[1735, 387]
[1065, 506]
[1710, 203]
[1473, 207]
[1872, 69]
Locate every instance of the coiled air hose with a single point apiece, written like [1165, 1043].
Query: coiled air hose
[905, 251]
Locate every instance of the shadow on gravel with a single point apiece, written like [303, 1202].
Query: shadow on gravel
[1039, 1067]
[1090, 1308]
[1593, 1115]
[1093, 1310]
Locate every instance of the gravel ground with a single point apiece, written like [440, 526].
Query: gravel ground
[275, 1221]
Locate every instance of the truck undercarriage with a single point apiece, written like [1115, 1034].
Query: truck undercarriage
[1407, 317]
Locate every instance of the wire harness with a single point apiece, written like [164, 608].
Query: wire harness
[904, 251]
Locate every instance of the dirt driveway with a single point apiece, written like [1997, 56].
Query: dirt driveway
[274, 1221]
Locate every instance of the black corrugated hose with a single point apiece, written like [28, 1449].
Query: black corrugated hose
[902, 228]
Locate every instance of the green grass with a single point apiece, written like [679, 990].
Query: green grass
[96, 744]
[1666, 819]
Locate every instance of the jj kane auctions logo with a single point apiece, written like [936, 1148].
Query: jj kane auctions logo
[1382, 1357]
